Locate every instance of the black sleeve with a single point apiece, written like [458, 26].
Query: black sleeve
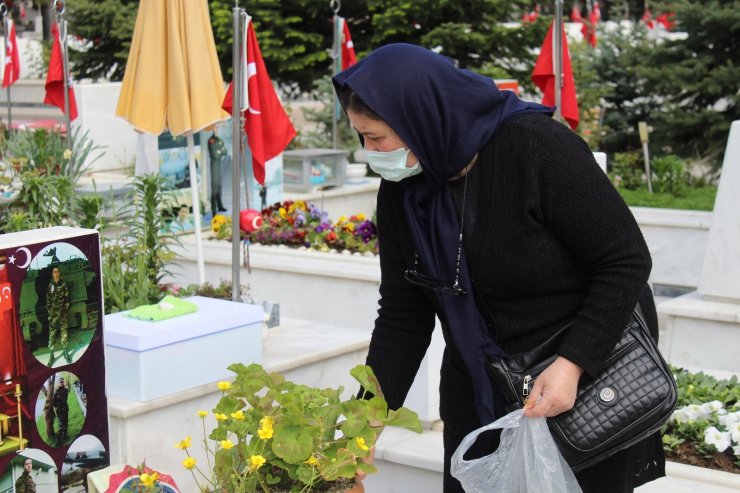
[583, 210]
[405, 322]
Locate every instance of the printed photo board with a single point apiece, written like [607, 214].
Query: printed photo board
[53, 406]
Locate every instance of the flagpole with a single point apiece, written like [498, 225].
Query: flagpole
[557, 45]
[60, 8]
[236, 159]
[6, 23]
[336, 51]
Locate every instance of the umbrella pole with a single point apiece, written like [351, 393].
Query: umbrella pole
[194, 190]
[236, 159]
[557, 45]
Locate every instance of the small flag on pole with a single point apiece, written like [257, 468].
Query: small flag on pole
[55, 78]
[543, 76]
[12, 61]
[267, 126]
[348, 48]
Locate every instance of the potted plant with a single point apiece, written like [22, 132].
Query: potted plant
[276, 436]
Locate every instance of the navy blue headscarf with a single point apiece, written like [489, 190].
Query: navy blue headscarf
[445, 115]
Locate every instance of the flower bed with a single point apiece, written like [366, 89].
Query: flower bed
[302, 224]
[705, 427]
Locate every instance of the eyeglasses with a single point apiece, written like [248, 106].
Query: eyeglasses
[415, 277]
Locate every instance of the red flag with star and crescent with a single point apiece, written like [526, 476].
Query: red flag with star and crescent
[12, 60]
[348, 48]
[267, 126]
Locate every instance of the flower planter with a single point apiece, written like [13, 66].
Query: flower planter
[682, 477]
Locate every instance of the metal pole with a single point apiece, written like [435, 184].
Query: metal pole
[60, 8]
[336, 51]
[557, 46]
[236, 86]
[6, 22]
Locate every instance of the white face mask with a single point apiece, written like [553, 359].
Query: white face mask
[392, 165]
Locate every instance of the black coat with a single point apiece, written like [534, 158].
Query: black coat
[547, 239]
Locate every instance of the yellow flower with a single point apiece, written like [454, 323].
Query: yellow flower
[188, 463]
[223, 386]
[227, 444]
[361, 443]
[255, 462]
[184, 443]
[149, 479]
[282, 212]
[360, 216]
[291, 208]
[202, 414]
[265, 431]
[312, 461]
[67, 154]
[220, 417]
[218, 221]
[239, 415]
[341, 219]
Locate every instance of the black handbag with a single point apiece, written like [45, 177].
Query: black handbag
[630, 398]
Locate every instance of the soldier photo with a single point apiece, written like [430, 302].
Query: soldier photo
[25, 483]
[61, 408]
[57, 306]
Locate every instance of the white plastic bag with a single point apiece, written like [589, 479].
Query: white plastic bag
[526, 461]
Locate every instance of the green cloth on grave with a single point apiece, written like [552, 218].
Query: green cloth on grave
[169, 307]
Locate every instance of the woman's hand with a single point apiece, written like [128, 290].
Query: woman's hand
[554, 390]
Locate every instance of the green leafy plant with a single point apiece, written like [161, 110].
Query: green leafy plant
[704, 429]
[137, 248]
[670, 175]
[275, 435]
[627, 170]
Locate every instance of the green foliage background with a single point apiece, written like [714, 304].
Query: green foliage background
[684, 88]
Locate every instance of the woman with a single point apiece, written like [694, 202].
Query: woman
[489, 206]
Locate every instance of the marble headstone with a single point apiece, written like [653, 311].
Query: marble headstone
[720, 278]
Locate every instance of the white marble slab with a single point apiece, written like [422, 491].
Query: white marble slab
[720, 276]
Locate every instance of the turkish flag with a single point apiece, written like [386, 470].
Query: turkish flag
[12, 62]
[543, 76]
[348, 48]
[594, 18]
[55, 78]
[267, 126]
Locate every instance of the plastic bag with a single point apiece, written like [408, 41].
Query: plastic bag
[526, 461]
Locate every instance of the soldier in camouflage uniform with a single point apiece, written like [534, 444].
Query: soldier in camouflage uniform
[61, 408]
[57, 306]
[25, 484]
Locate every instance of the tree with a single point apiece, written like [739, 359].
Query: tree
[107, 26]
[695, 79]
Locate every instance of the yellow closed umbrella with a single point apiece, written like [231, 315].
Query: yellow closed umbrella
[173, 79]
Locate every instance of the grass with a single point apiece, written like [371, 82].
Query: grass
[699, 199]
[75, 421]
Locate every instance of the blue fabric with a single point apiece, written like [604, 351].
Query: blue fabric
[444, 115]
